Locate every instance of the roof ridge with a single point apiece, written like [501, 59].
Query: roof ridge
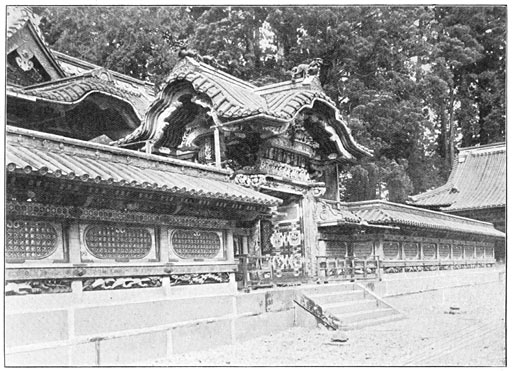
[93, 66]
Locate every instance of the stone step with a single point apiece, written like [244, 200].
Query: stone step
[328, 288]
[353, 317]
[373, 321]
[337, 297]
[353, 306]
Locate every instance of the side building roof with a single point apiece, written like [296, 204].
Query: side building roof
[376, 213]
[477, 181]
[50, 155]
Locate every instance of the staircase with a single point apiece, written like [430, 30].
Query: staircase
[346, 306]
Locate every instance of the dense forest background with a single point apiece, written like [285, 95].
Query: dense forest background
[414, 83]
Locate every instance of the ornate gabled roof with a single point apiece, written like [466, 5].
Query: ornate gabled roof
[20, 16]
[74, 66]
[230, 96]
[55, 156]
[234, 101]
[71, 90]
[379, 212]
[477, 181]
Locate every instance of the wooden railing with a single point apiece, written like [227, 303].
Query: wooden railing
[347, 268]
[254, 271]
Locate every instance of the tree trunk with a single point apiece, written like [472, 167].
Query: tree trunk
[451, 130]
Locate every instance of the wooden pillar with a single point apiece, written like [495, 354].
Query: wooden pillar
[379, 246]
[216, 145]
[230, 254]
[310, 233]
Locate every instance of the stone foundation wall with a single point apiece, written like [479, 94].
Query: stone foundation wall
[137, 326]
[130, 327]
[415, 282]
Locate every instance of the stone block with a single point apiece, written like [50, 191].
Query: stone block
[200, 336]
[305, 319]
[134, 349]
[43, 357]
[247, 328]
[277, 300]
[35, 328]
[253, 302]
[84, 354]
[105, 319]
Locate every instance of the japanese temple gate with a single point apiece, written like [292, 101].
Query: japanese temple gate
[212, 185]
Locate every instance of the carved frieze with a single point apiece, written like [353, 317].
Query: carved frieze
[199, 278]
[250, 180]
[119, 283]
[69, 212]
[283, 170]
[45, 286]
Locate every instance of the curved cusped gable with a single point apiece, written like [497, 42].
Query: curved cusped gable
[234, 105]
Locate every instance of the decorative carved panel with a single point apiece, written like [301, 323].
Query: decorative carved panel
[411, 250]
[266, 234]
[362, 249]
[457, 252]
[193, 244]
[429, 251]
[469, 251]
[480, 251]
[117, 242]
[32, 240]
[391, 250]
[444, 251]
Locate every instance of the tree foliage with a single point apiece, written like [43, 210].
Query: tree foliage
[413, 82]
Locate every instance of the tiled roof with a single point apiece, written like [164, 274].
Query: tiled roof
[74, 66]
[477, 181]
[379, 212]
[74, 89]
[231, 97]
[51, 155]
[329, 213]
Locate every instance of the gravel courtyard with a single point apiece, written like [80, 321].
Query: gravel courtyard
[430, 336]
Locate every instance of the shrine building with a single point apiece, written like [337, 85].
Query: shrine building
[135, 221]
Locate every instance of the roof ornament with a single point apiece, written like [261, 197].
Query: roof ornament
[306, 70]
[24, 59]
[182, 47]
